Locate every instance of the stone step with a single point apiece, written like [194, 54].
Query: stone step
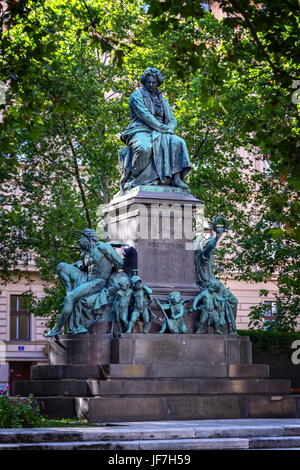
[171, 407]
[155, 386]
[275, 442]
[249, 434]
[163, 444]
[77, 371]
[105, 371]
[151, 431]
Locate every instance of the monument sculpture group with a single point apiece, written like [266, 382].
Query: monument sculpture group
[154, 156]
[146, 330]
[98, 281]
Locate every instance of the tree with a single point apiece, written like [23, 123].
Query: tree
[64, 109]
[259, 45]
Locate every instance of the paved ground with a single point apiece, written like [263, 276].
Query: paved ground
[206, 423]
[222, 434]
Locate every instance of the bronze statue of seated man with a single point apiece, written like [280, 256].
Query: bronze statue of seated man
[155, 155]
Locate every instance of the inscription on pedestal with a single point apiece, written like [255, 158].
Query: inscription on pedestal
[178, 246]
[159, 223]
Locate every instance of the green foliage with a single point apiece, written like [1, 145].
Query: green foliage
[16, 412]
[248, 62]
[64, 109]
[275, 342]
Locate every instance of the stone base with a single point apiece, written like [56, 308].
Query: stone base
[153, 386]
[181, 349]
[96, 348]
[143, 371]
[163, 408]
[158, 221]
[137, 377]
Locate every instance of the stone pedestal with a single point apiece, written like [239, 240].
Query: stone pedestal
[180, 349]
[137, 377]
[103, 348]
[106, 377]
[159, 222]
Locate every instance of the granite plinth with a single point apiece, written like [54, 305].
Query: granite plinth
[95, 348]
[158, 220]
[188, 348]
[83, 349]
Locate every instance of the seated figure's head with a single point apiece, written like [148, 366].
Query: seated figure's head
[88, 239]
[152, 78]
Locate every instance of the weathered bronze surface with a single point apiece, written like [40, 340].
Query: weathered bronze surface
[154, 154]
[141, 300]
[209, 303]
[85, 283]
[120, 294]
[216, 304]
[173, 311]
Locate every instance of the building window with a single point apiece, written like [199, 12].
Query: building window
[19, 319]
[270, 313]
[266, 167]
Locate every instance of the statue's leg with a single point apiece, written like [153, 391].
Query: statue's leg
[177, 181]
[232, 330]
[120, 327]
[180, 161]
[142, 169]
[146, 321]
[202, 323]
[67, 310]
[74, 324]
[62, 319]
[231, 323]
[124, 318]
[68, 275]
[216, 323]
[134, 317]
[84, 290]
[222, 317]
[141, 144]
[163, 327]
